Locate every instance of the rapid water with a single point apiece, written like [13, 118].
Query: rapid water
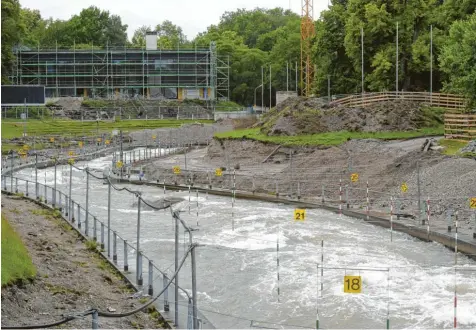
[411, 281]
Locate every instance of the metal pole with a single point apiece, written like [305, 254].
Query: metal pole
[419, 192]
[54, 187]
[328, 88]
[138, 273]
[11, 171]
[194, 288]
[396, 65]
[109, 218]
[36, 179]
[70, 199]
[296, 78]
[362, 57]
[95, 320]
[86, 228]
[151, 277]
[287, 76]
[431, 64]
[176, 268]
[262, 88]
[270, 90]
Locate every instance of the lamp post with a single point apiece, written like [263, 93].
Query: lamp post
[255, 95]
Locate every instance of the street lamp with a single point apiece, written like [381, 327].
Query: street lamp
[255, 94]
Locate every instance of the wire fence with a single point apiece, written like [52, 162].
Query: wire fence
[147, 274]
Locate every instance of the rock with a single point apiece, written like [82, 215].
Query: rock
[111, 310]
[471, 147]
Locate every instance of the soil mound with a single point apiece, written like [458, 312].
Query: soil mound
[296, 116]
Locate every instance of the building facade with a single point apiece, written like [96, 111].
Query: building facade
[125, 72]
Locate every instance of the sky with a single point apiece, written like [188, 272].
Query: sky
[193, 16]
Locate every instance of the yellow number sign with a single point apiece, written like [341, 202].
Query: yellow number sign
[352, 284]
[119, 164]
[80, 143]
[154, 137]
[218, 172]
[404, 187]
[472, 202]
[354, 177]
[299, 214]
[52, 139]
[107, 142]
[176, 169]
[71, 153]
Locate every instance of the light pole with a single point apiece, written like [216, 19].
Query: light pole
[255, 95]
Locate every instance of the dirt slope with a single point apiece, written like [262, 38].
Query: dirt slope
[70, 277]
[297, 116]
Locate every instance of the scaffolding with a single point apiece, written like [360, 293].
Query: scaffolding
[121, 72]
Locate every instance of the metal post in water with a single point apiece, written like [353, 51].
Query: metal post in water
[391, 219]
[194, 287]
[138, 279]
[323, 195]
[448, 219]
[176, 269]
[347, 195]
[16, 185]
[340, 197]
[26, 182]
[428, 218]
[368, 202]
[79, 216]
[189, 196]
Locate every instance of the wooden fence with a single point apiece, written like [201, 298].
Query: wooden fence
[460, 126]
[454, 103]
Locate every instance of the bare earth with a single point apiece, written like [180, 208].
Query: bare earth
[449, 181]
[70, 278]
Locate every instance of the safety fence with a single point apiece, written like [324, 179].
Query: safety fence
[118, 251]
[332, 186]
[124, 251]
[460, 127]
[441, 100]
[118, 112]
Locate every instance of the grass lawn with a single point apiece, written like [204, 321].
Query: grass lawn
[16, 263]
[12, 129]
[331, 138]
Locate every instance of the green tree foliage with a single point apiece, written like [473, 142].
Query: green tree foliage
[138, 39]
[169, 35]
[12, 30]
[458, 58]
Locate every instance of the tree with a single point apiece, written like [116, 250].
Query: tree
[138, 39]
[12, 30]
[169, 35]
[94, 26]
[458, 59]
[35, 27]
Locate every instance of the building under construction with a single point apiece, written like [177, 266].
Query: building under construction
[125, 72]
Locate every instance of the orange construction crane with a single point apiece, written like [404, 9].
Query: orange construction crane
[307, 32]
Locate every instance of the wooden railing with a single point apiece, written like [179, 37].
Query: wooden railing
[460, 126]
[447, 101]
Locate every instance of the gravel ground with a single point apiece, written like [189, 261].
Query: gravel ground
[70, 278]
[449, 181]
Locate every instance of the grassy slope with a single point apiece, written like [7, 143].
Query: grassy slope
[452, 147]
[16, 263]
[331, 138]
[38, 127]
